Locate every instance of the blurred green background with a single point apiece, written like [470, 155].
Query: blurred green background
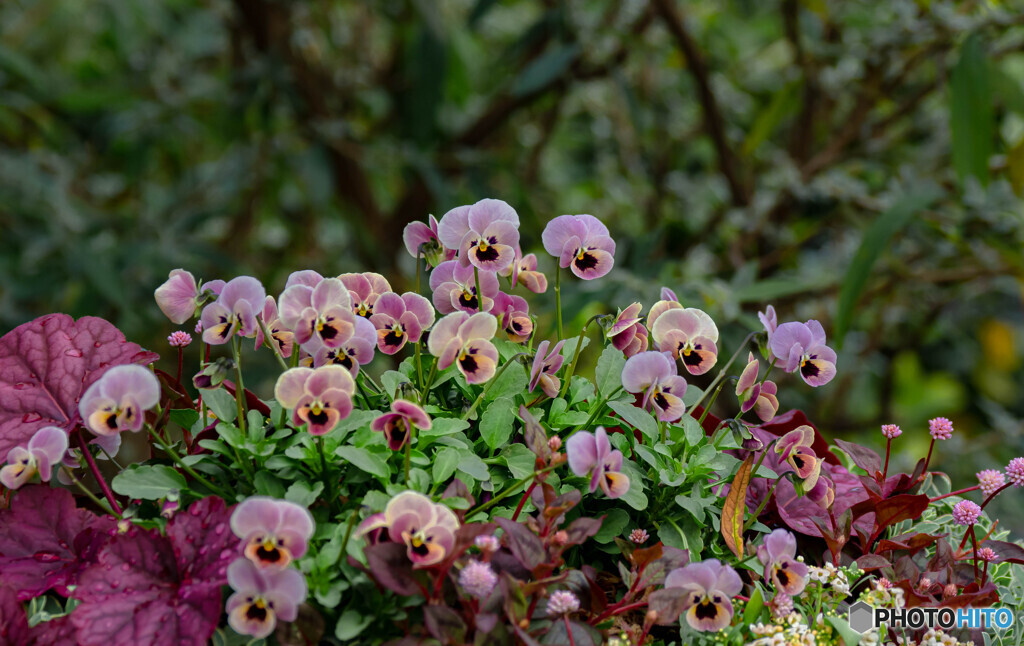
[856, 162]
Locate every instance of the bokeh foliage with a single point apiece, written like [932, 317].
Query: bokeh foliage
[859, 162]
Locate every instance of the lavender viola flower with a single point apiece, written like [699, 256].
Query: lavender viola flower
[357, 351]
[364, 289]
[234, 311]
[801, 346]
[513, 314]
[119, 399]
[710, 587]
[770, 321]
[778, 556]
[591, 454]
[545, 366]
[795, 449]
[690, 335]
[627, 333]
[485, 234]
[319, 398]
[273, 532]
[654, 375]
[279, 334]
[582, 243]
[669, 301]
[427, 529]
[401, 318]
[323, 312]
[307, 277]
[398, 424]
[454, 288]
[752, 394]
[45, 450]
[261, 597]
[422, 239]
[466, 341]
[524, 272]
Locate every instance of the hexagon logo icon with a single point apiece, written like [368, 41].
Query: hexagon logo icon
[861, 617]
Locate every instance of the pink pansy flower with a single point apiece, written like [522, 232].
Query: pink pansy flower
[524, 271]
[669, 301]
[591, 454]
[279, 334]
[357, 351]
[364, 289]
[654, 375]
[421, 238]
[795, 449]
[119, 400]
[427, 529]
[801, 346]
[545, 366]
[306, 277]
[485, 234]
[627, 333]
[234, 311]
[466, 341]
[323, 312]
[176, 298]
[513, 314]
[454, 288]
[760, 397]
[401, 318]
[767, 403]
[44, 451]
[769, 320]
[823, 493]
[319, 397]
[690, 335]
[582, 243]
[262, 597]
[397, 425]
[778, 556]
[274, 532]
[710, 586]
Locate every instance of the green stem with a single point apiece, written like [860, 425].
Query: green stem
[508, 492]
[576, 355]
[425, 392]
[269, 342]
[710, 403]
[348, 533]
[408, 452]
[764, 503]
[236, 349]
[328, 483]
[488, 385]
[558, 300]
[479, 293]
[189, 470]
[596, 411]
[721, 374]
[102, 504]
[294, 363]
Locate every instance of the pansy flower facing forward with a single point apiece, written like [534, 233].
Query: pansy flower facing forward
[119, 400]
[398, 424]
[44, 451]
[545, 366]
[274, 532]
[690, 335]
[363, 290]
[582, 243]
[778, 556]
[513, 314]
[357, 351]
[261, 597]
[323, 313]
[710, 586]
[401, 318]
[234, 312]
[654, 375]
[454, 289]
[801, 347]
[485, 234]
[318, 397]
[591, 454]
[795, 449]
[427, 529]
[421, 239]
[466, 341]
[627, 333]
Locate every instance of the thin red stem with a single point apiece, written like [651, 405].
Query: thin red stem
[181, 360]
[522, 501]
[96, 474]
[955, 493]
[568, 630]
[994, 494]
[885, 469]
[928, 459]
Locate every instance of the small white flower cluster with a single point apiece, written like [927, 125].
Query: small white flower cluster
[832, 576]
[881, 596]
[934, 637]
[791, 631]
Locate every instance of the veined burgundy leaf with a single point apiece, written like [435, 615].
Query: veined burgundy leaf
[13, 621]
[862, 456]
[391, 568]
[583, 528]
[523, 543]
[1006, 551]
[45, 541]
[669, 603]
[46, 365]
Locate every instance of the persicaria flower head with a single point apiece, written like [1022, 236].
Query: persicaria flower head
[554, 442]
[627, 333]
[319, 397]
[427, 529]
[925, 584]
[884, 583]
[545, 366]
[940, 428]
[524, 272]
[966, 512]
[654, 375]
[454, 289]
[422, 239]
[45, 450]
[487, 543]
[990, 480]
[801, 347]
[179, 339]
[891, 431]
[987, 554]
[119, 399]
[1015, 472]
[323, 313]
[363, 290]
[562, 602]
[399, 319]
[709, 587]
[689, 335]
[485, 234]
[781, 605]
[582, 243]
[261, 597]
[513, 314]
[397, 425]
[466, 341]
[778, 555]
[234, 312]
[477, 579]
[273, 532]
[639, 536]
[591, 454]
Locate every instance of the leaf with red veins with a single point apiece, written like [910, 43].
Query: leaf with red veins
[13, 621]
[46, 365]
[45, 541]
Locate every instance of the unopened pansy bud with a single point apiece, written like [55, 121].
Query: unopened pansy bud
[966, 512]
[487, 544]
[891, 431]
[214, 373]
[554, 443]
[179, 339]
[639, 536]
[990, 480]
[940, 428]
[477, 579]
[1015, 472]
[562, 602]
[170, 506]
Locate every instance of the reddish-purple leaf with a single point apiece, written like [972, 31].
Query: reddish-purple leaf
[46, 365]
[869, 562]
[444, 624]
[55, 632]
[13, 622]
[534, 435]
[669, 603]
[1006, 551]
[943, 558]
[912, 542]
[525, 545]
[862, 456]
[899, 508]
[787, 422]
[391, 567]
[45, 541]
[582, 528]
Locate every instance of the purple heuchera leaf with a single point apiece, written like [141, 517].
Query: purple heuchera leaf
[46, 365]
[146, 588]
[45, 541]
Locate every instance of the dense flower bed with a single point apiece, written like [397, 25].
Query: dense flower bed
[482, 492]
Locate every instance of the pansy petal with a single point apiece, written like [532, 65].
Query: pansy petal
[643, 369]
[614, 484]
[445, 331]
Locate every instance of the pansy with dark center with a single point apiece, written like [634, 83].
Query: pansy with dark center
[281, 336]
[627, 332]
[486, 234]
[119, 400]
[591, 454]
[427, 529]
[323, 312]
[357, 351]
[545, 367]
[318, 397]
[778, 556]
[654, 375]
[801, 347]
[454, 289]
[466, 341]
[401, 319]
[273, 532]
[364, 289]
[581, 243]
[261, 597]
[795, 449]
[709, 587]
[422, 239]
[44, 451]
[234, 312]
[524, 272]
[513, 314]
[399, 423]
[690, 335]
